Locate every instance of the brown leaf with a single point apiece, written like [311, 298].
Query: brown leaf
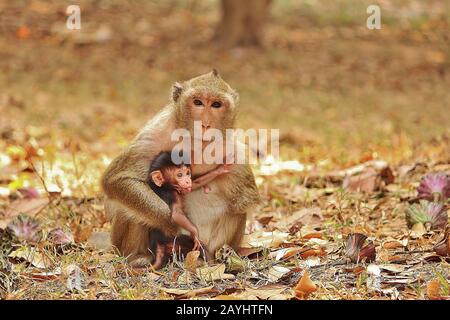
[44, 276]
[191, 262]
[353, 245]
[25, 229]
[23, 32]
[33, 256]
[265, 220]
[313, 253]
[213, 273]
[364, 182]
[369, 180]
[27, 206]
[313, 235]
[357, 270]
[305, 286]
[367, 253]
[308, 216]
[442, 248]
[434, 290]
[356, 252]
[81, 233]
[248, 252]
[392, 245]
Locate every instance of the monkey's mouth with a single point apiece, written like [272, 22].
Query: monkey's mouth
[186, 190]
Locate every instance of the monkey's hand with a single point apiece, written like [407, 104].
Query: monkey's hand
[227, 166]
[224, 168]
[210, 176]
[197, 243]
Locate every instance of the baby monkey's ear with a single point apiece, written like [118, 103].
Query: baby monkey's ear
[157, 177]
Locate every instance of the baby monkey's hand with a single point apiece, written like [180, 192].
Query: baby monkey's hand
[197, 243]
[227, 166]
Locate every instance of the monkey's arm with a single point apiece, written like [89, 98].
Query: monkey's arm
[125, 180]
[208, 177]
[180, 218]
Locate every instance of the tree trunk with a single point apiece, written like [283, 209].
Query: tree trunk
[242, 22]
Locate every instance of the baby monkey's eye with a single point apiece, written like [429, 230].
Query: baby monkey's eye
[216, 104]
[198, 102]
[188, 173]
[179, 175]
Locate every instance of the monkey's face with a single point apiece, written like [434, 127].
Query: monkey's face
[206, 99]
[209, 109]
[180, 178]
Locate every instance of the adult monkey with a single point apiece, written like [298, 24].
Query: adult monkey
[135, 209]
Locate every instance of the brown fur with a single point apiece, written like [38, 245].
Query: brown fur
[135, 209]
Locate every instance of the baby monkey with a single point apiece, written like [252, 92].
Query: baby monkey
[170, 181]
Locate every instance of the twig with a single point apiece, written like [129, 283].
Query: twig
[39, 176]
[414, 251]
[333, 264]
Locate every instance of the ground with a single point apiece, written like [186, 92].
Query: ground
[341, 95]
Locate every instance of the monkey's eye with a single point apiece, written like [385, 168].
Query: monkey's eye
[188, 173]
[216, 104]
[179, 175]
[198, 102]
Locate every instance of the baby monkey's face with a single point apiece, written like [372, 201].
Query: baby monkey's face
[180, 178]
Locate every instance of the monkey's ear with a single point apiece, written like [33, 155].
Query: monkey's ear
[157, 177]
[215, 73]
[177, 89]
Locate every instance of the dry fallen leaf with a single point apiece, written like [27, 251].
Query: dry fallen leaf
[23, 32]
[248, 252]
[276, 272]
[212, 273]
[312, 217]
[232, 260]
[267, 292]
[442, 248]
[286, 253]
[392, 244]
[265, 239]
[185, 278]
[27, 206]
[74, 277]
[45, 276]
[191, 262]
[25, 229]
[319, 252]
[418, 230]
[370, 180]
[434, 289]
[305, 286]
[355, 251]
[59, 237]
[33, 256]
